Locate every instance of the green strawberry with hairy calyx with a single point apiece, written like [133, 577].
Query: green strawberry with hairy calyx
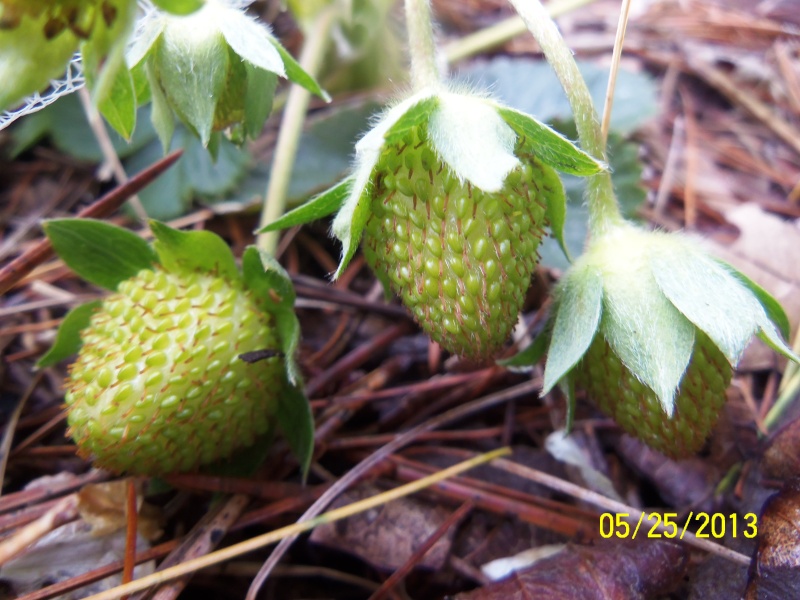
[160, 385]
[652, 327]
[451, 192]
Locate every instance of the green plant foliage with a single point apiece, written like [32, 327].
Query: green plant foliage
[193, 251]
[100, 253]
[68, 338]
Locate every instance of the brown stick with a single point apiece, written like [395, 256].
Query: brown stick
[14, 271]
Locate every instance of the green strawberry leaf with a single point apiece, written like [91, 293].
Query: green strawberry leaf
[100, 253]
[193, 251]
[532, 354]
[417, 114]
[179, 7]
[549, 145]
[707, 294]
[296, 74]
[271, 283]
[579, 307]
[318, 207]
[194, 175]
[68, 337]
[772, 307]
[297, 424]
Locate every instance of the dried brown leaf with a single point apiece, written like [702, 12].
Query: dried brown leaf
[386, 537]
[781, 459]
[618, 570]
[775, 571]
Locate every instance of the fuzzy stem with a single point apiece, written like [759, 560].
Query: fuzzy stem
[294, 116]
[604, 211]
[424, 68]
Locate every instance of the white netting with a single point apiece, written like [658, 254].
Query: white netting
[73, 80]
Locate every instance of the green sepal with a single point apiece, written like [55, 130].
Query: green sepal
[578, 311]
[417, 114]
[567, 386]
[100, 253]
[161, 112]
[297, 424]
[706, 293]
[351, 238]
[770, 305]
[193, 80]
[258, 99]
[119, 105]
[649, 335]
[296, 73]
[266, 278]
[68, 337]
[770, 336]
[179, 7]
[320, 206]
[531, 354]
[555, 210]
[193, 251]
[549, 145]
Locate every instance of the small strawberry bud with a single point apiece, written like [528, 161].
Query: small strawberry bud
[216, 68]
[159, 387]
[651, 327]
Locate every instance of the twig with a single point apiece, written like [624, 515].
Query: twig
[422, 550]
[13, 272]
[379, 456]
[204, 538]
[611, 505]
[260, 541]
[11, 427]
[64, 511]
[107, 149]
[622, 26]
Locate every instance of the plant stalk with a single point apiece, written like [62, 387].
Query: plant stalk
[424, 66]
[604, 211]
[292, 122]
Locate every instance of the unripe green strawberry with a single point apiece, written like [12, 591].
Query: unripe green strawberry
[637, 409]
[460, 258]
[159, 387]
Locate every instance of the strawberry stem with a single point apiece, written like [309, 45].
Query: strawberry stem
[604, 213]
[424, 67]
